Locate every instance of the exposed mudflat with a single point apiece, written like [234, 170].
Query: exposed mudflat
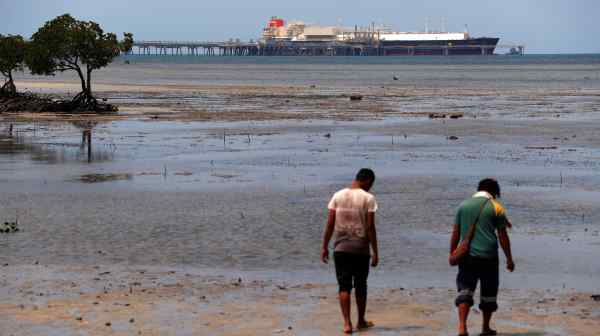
[208, 183]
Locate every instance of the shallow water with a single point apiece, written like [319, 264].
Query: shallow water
[249, 195]
[258, 204]
[495, 72]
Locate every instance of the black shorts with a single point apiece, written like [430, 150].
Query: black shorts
[486, 271]
[352, 271]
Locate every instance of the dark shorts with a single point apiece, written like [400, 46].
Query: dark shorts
[484, 270]
[352, 271]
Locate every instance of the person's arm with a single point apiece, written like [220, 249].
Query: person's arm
[372, 233]
[327, 236]
[455, 238]
[505, 244]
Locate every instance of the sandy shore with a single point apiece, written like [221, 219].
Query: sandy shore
[108, 300]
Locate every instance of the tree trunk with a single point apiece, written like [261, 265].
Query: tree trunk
[89, 81]
[9, 87]
[81, 78]
[84, 100]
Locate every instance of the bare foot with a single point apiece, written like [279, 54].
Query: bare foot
[365, 325]
[488, 332]
[348, 329]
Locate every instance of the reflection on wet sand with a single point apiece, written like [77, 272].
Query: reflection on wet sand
[15, 143]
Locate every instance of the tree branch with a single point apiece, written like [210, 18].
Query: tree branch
[65, 67]
[74, 63]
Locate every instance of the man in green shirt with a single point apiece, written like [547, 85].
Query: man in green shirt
[482, 262]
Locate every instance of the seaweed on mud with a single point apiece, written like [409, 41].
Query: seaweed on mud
[95, 178]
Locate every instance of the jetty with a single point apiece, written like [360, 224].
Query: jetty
[252, 48]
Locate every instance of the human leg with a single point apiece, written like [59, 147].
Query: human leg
[490, 281]
[463, 315]
[345, 305]
[485, 329]
[361, 273]
[466, 283]
[344, 278]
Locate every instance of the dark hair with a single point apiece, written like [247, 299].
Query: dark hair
[365, 175]
[490, 185]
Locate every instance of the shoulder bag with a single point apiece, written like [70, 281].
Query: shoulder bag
[462, 250]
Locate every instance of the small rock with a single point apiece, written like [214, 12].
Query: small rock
[108, 324]
[395, 77]
[437, 116]
[452, 137]
[596, 297]
[328, 135]
[356, 97]
[79, 318]
[131, 320]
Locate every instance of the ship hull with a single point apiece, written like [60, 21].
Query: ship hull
[476, 46]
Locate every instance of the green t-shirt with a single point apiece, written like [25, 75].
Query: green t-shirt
[493, 217]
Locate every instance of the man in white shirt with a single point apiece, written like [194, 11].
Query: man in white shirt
[352, 219]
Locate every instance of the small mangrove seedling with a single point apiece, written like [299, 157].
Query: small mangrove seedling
[9, 227]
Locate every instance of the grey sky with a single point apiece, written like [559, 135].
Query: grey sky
[544, 26]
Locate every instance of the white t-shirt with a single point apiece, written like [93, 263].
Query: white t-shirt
[351, 206]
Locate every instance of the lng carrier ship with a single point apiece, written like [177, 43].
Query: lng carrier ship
[298, 38]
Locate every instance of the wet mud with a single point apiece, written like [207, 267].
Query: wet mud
[231, 181]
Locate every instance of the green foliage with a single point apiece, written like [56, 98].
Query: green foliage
[127, 43]
[12, 51]
[66, 43]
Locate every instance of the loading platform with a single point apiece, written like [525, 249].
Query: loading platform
[312, 48]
